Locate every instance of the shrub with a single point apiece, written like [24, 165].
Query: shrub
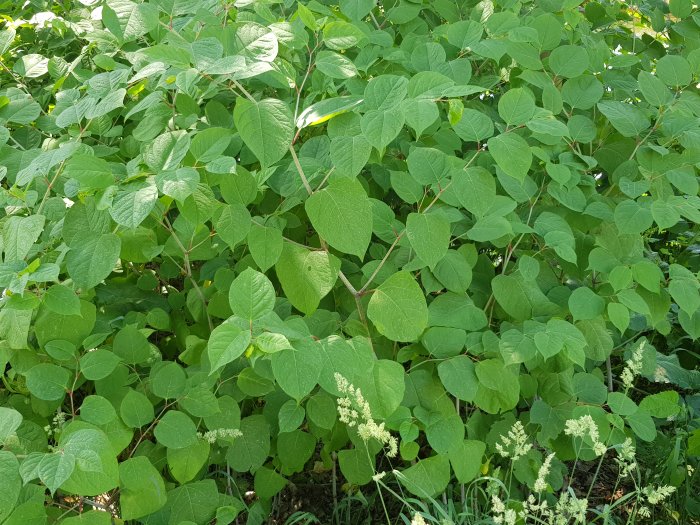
[252, 243]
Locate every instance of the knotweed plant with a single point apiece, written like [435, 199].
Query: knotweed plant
[355, 412]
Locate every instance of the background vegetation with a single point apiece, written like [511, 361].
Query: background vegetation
[372, 262]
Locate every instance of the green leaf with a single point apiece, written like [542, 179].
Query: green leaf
[568, 61]
[429, 235]
[91, 172]
[442, 341]
[98, 364]
[249, 451]
[654, 91]
[453, 272]
[464, 33]
[128, 20]
[516, 106]
[62, 300]
[584, 303]
[178, 184]
[96, 470]
[194, 502]
[340, 35]
[490, 228]
[384, 388]
[92, 260]
[167, 151]
[185, 463]
[297, 370]
[428, 165]
[356, 9]
[97, 410]
[175, 430]
[398, 308]
[519, 298]
[465, 459]
[131, 207]
[350, 154]
[342, 215]
[512, 154]
[335, 65]
[642, 425]
[20, 234]
[266, 127]
[620, 404]
[168, 380]
[135, 409]
[476, 190]
[306, 276]
[674, 71]
[582, 92]
[380, 127]
[226, 344]
[474, 126]
[233, 224]
[209, 144]
[265, 244]
[632, 217]
[628, 120]
[55, 469]
[48, 381]
[445, 432]
[619, 316]
[321, 409]
[385, 92]
[325, 110]
[251, 295]
[458, 376]
[680, 8]
[142, 490]
[428, 477]
[11, 483]
[272, 343]
[131, 345]
[499, 388]
[295, 449]
[290, 416]
[267, 482]
[10, 421]
[661, 405]
[356, 466]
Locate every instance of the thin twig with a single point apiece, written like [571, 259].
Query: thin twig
[300, 170]
[188, 270]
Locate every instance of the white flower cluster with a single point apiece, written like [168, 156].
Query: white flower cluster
[568, 508]
[502, 515]
[210, 436]
[586, 426]
[353, 409]
[626, 458]
[418, 519]
[541, 481]
[515, 444]
[657, 495]
[57, 423]
[634, 366]
[654, 496]
[378, 476]
[661, 375]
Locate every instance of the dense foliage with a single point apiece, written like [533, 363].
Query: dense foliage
[259, 242]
